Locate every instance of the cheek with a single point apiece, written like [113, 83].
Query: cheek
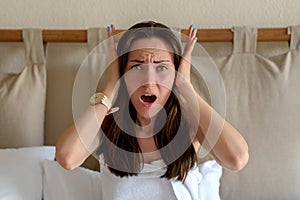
[165, 93]
[131, 82]
[167, 81]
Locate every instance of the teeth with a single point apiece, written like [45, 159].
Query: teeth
[148, 98]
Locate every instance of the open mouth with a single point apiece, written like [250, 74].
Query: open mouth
[148, 98]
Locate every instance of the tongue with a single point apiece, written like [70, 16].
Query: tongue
[148, 99]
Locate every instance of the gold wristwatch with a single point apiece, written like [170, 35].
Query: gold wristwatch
[103, 99]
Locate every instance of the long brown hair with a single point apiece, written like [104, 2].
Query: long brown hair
[121, 150]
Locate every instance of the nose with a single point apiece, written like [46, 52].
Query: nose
[149, 76]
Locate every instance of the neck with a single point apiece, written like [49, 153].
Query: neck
[145, 127]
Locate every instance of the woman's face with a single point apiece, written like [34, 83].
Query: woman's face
[149, 75]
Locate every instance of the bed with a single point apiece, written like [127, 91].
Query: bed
[262, 100]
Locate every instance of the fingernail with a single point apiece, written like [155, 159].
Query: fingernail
[193, 26]
[111, 25]
[108, 27]
[196, 30]
[196, 39]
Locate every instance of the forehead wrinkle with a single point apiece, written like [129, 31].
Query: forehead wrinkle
[150, 55]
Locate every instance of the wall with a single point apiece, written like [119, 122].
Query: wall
[79, 14]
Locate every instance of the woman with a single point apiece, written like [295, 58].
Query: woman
[148, 76]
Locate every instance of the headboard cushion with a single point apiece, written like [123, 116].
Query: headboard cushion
[22, 97]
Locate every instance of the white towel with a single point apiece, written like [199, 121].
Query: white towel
[202, 183]
[148, 185]
[210, 184]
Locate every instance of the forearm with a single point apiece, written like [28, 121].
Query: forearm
[215, 134]
[226, 143]
[81, 138]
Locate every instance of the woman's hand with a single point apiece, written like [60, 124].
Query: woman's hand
[83, 137]
[113, 75]
[184, 85]
[183, 79]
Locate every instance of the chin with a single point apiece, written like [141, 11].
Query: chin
[149, 112]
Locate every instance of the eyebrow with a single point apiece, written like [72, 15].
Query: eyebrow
[141, 61]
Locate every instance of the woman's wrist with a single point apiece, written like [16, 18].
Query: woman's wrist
[109, 95]
[186, 89]
[109, 92]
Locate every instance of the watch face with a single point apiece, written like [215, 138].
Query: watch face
[96, 98]
[100, 98]
[92, 100]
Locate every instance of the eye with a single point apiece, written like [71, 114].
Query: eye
[136, 67]
[162, 68]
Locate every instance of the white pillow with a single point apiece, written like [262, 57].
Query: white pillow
[62, 184]
[21, 172]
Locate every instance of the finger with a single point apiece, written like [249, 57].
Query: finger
[110, 30]
[112, 55]
[190, 30]
[194, 35]
[112, 27]
[110, 34]
[193, 39]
